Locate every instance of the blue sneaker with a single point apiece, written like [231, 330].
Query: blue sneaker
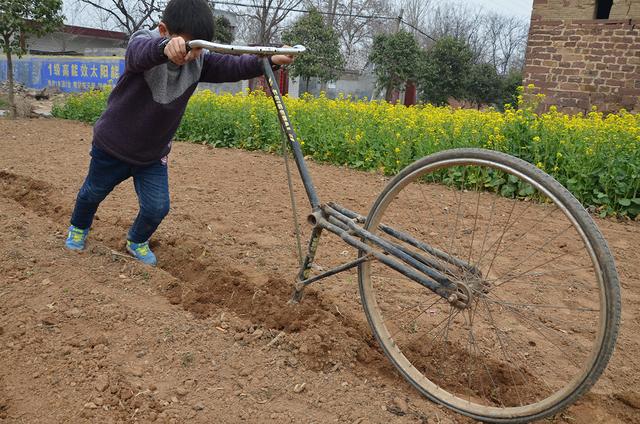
[141, 252]
[76, 238]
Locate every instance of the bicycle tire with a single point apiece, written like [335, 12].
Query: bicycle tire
[412, 362]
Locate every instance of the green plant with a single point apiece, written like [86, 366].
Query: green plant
[596, 157]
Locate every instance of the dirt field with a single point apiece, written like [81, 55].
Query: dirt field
[208, 335]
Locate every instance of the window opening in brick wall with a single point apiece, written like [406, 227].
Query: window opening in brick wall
[603, 8]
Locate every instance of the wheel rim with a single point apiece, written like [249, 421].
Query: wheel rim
[472, 405]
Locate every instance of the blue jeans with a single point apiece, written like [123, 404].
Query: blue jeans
[105, 173]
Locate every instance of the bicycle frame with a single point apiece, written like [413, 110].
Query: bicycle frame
[344, 223]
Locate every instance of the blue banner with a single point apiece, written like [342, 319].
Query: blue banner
[70, 74]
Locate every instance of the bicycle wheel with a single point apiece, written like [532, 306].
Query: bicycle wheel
[543, 298]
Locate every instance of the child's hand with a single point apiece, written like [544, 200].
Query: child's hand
[176, 51]
[282, 59]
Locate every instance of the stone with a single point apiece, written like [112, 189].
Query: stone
[398, 406]
[73, 313]
[198, 406]
[101, 384]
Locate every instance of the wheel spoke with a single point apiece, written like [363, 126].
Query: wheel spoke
[519, 351]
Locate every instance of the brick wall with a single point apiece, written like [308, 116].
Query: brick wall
[583, 9]
[578, 62]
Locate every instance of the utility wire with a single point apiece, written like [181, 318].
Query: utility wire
[256, 6]
[419, 30]
[350, 15]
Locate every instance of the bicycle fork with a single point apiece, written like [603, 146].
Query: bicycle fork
[435, 270]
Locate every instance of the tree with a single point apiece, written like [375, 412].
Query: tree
[127, 15]
[483, 85]
[510, 84]
[462, 22]
[323, 59]
[262, 18]
[18, 17]
[444, 71]
[355, 22]
[222, 30]
[396, 58]
[415, 14]
[506, 38]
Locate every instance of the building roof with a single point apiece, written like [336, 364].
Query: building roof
[94, 32]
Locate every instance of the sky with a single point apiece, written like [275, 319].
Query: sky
[520, 8]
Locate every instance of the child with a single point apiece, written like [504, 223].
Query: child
[133, 136]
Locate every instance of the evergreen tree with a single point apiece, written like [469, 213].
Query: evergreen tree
[324, 59]
[396, 58]
[445, 71]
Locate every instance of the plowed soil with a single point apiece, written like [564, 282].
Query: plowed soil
[208, 335]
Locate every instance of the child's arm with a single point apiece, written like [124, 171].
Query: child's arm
[143, 52]
[228, 68]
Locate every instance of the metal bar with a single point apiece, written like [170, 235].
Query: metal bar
[347, 212]
[391, 248]
[428, 262]
[431, 250]
[336, 270]
[303, 274]
[409, 240]
[236, 49]
[421, 279]
[291, 135]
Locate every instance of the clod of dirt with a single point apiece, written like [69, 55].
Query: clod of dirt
[101, 384]
[73, 313]
[198, 406]
[398, 406]
[90, 405]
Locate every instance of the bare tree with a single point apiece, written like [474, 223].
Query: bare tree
[356, 22]
[125, 15]
[262, 20]
[460, 21]
[416, 16]
[506, 38]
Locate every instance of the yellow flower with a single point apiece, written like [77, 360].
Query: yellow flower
[397, 150]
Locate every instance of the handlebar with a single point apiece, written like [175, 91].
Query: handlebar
[233, 49]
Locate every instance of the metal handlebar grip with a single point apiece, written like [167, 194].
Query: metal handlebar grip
[234, 49]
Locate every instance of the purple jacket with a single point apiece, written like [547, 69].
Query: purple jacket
[145, 107]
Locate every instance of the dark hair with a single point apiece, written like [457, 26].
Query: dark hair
[189, 17]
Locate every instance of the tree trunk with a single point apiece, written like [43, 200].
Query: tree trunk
[12, 103]
[388, 96]
[12, 100]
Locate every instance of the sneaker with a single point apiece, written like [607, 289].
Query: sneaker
[142, 252]
[76, 238]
